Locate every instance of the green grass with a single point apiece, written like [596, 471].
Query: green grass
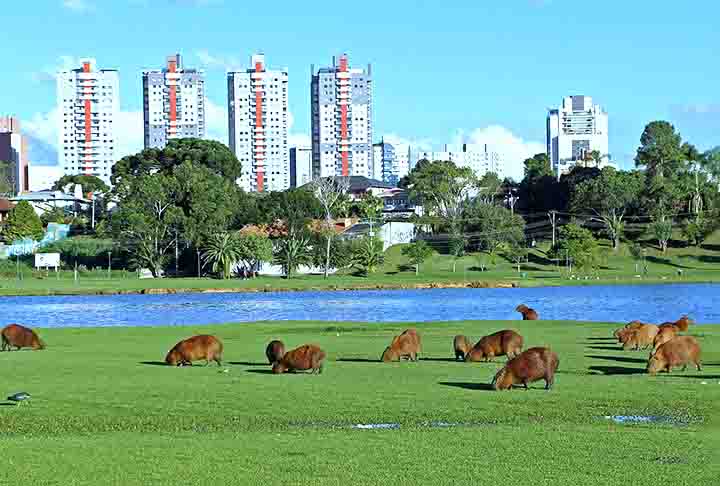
[103, 412]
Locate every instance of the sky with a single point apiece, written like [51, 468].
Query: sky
[475, 71]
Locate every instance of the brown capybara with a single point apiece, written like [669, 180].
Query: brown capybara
[681, 324]
[462, 346]
[527, 313]
[680, 350]
[15, 335]
[274, 351]
[501, 343]
[306, 357]
[406, 344]
[531, 365]
[195, 348]
[664, 335]
[643, 336]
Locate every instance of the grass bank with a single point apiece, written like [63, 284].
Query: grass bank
[104, 410]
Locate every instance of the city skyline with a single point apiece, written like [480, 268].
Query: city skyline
[503, 81]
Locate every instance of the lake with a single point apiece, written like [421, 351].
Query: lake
[649, 303]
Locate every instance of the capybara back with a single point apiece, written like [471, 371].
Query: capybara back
[679, 351]
[506, 342]
[195, 348]
[531, 365]
[17, 336]
[406, 344]
[305, 357]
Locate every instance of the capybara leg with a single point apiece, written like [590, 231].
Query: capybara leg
[684, 367]
[525, 385]
[218, 360]
[413, 357]
[549, 382]
[697, 363]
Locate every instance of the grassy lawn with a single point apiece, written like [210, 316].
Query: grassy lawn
[697, 265]
[103, 411]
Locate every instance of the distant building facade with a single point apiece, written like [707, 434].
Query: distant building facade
[258, 125]
[14, 151]
[89, 103]
[300, 166]
[341, 120]
[173, 103]
[43, 177]
[574, 130]
[481, 158]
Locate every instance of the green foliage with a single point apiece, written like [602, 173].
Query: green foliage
[417, 252]
[517, 254]
[7, 179]
[295, 206]
[371, 207]
[292, 251]
[222, 251]
[492, 226]
[537, 167]
[367, 254]
[253, 250]
[55, 215]
[89, 183]
[489, 187]
[661, 229]
[23, 222]
[660, 151]
[456, 248]
[340, 252]
[578, 244]
[636, 251]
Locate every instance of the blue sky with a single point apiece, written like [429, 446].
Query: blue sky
[483, 70]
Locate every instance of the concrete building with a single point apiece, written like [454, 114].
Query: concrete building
[481, 158]
[258, 125]
[14, 151]
[89, 102]
[574, 130]
[300, 166]
[391, 162]
[173, 103]
[42, 177]
[341, 116]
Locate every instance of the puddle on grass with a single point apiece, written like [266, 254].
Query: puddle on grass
[375, 426]
[432, 425]
[646, 419]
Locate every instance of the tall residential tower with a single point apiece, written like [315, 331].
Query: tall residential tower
[89, 102]
[173, 103]
[258, 125]
[341, 111]
[13, 149]
[575, 130]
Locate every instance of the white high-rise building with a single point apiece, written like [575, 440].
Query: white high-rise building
[341, 111]
[479, 157]
[173, 103]
[258, 125]
[574, 130]
[89, 102]
[391, 162]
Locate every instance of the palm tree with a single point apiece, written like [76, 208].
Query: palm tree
[222, 250]
[293, 251]
[368, 254]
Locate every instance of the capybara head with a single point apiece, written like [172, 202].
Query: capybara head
[503, 380]
[174, 358]
[522, 308]
[655, 363]
[279, 367]
[38, 343]
[389, 354]
[683, 323]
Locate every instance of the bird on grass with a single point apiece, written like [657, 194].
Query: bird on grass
[19, 397]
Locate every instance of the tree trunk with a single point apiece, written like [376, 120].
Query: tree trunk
[454, 265]
[327, 255]
[417, 269]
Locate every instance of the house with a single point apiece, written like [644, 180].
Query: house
[5, 207]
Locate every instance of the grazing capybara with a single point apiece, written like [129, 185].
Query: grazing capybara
[680, 350]
[664, 335]
[531, 365]
[643, 336]
[501, 343]
[406, 344]
[195, 348]
[274, 351]
[462, 346]
[306, 357]
[15, 335]
[681, 324]
[527, 313]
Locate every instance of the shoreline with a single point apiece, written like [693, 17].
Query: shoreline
[345, 288]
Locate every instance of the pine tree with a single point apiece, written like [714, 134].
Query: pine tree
[23, 222]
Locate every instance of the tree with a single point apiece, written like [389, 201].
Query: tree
[539, 187]
[147, 221]
[636, 253]
[456, 247]
[367, 254]
[611, 196]
[661, 229]
[7, 179]
[579, 245]
[89, 183]
[492, 226]
[215, 156]
[329, 191]
[340, 252]
[74, 249]
[537, 167]
[488, 187]
[417, 253]
[517, 253]
[223, 251]
[292, 251]
[371, 207]
[22, 223]
[698, 229]
[660, 151]
[443, 189]
[253, 250]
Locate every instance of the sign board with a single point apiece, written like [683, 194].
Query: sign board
[46, 260]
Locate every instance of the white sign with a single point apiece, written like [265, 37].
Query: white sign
[46, 260]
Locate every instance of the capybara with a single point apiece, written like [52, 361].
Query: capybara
[462, 346]
[680, 350]
[406, 344]
[306, 357]
[527, 313]
[274, 351]
[664, 335]
[681, 324]
[195, 348]
[643, 336]
[505, 342]
[15, 335]
[531, 365]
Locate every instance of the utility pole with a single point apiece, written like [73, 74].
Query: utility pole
[176, 253]
[198, 255]
[511, 199]
[552, 214]
[109, 265]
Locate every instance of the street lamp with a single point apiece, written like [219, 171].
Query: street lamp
[511, 199]
[198, 255]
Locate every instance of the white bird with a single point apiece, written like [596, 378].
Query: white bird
[19, 397]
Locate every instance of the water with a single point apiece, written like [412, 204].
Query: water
[649, 303]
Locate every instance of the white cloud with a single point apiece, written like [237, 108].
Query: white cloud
[49, 73]
[216, 122]
[419, 144]
[77, 5]
[212, 61]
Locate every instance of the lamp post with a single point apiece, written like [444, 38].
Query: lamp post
[511, 199]
[198, 266]
[109, 265]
